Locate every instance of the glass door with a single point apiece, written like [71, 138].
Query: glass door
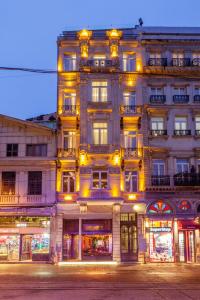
[190, 250]
[26, 252]
[181, 240]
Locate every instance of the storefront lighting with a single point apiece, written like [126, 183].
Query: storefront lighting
[132, 197]
[68, 197]
[87, 263]
[21, 225]
[83, 208]
[116, 207]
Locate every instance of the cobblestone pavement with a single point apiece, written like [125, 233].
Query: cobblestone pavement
[150, 281]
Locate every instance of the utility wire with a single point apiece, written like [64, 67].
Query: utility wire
[187, 76]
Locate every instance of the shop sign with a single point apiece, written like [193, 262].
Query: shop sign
[160, 229]
[188, 224]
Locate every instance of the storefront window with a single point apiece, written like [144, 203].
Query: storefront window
[9, 247]
[40, 243]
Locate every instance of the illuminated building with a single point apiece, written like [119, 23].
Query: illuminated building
[128, 122]
[27, 190]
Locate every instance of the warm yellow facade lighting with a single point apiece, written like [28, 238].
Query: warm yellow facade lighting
[68, 197]
[138, 66]
[114, 51]
[114, 34]
[83, 158]
[132, 197]
[84, 50]
[116, 158]
[83, 208]
[84, 34]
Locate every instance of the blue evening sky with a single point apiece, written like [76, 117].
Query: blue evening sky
[29, 29]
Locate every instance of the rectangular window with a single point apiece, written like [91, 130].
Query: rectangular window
[129, 62]
[158, 167]
[12, 150]
[157, 91]
[100, 133]
[130, 139]
[180, 91]
[196, 59]
[36, 150]
[129, 98]
[131, 181]
[69, 62]
[155, 55]
[157, 123]
[182, 165]
[99, 91]
[197, 123]
[68, 182]
[180, 123]
[69, 99]
[99, 60]
[100, 180]
[197, 90]
[8, 183]
[35, 183]
[69, 140]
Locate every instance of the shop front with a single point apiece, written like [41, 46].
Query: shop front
[94, 237]
[24, 238]
[187, 229]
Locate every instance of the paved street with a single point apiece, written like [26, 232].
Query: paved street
[155, 281]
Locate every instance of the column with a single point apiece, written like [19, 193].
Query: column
[80, 239]
[116, 236]
[176, 245]
[59, 237]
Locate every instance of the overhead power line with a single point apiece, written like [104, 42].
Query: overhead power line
[186, 75]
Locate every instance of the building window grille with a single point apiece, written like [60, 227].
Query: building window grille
[8, 183]
[34, 183]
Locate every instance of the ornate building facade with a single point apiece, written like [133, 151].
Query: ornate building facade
[128, 145]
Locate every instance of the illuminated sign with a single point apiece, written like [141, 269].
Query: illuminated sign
[160, 229]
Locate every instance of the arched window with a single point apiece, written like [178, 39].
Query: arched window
[160, 207]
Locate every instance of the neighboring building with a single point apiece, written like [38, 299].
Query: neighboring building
[27, 190]
[48, 120]
[128, 182]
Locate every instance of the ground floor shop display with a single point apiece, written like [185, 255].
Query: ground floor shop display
[92, 237]
[161, 241]
[24, 239]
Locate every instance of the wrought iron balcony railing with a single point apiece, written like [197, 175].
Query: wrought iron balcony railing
[69, 109]
[157, 62]
[160, 180]
[181, 99]
[196, 99]
[180, 62]
[132, 152]
[130, 109]
[187, 179]
[157, 99]
[99, 63]
[159, 132]
[196, 62]
[185, 132]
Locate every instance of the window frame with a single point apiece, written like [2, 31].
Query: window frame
[99, 93]
[35, 185]
[101, 133]
[13, 152]
[72, 62]
[35, 148]
[6, 185]
[133, 175]
[99, 180]
[68, 191]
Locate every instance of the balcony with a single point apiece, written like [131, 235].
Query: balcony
[157, 99]
[157, 62]
[22, 200]
[187, 179]
[69, 153]
[158, 133]
[130, 153]
[181, 99]
[196, 62]
[196, 99]
[162, 180]
[99, 64]
[186, 132]
[130, 109]
[180, 62]
[69, 110]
